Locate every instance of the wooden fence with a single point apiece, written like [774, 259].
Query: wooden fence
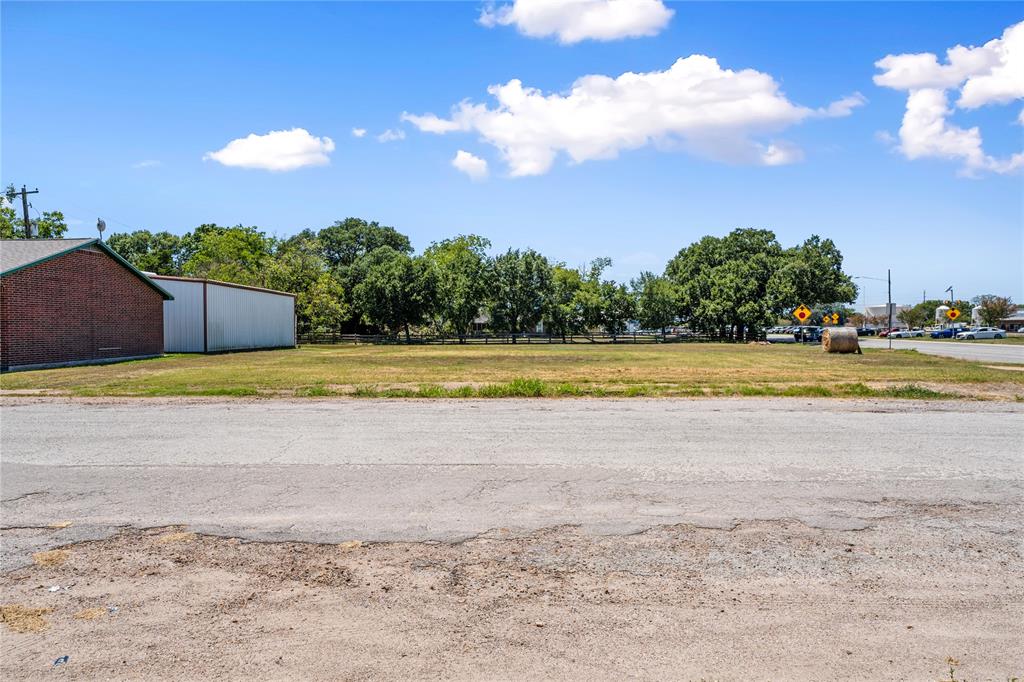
[498, 339]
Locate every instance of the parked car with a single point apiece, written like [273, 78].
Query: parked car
[949, 333]
[808, 334]
[982, 333]
[865, 331]
[906, 334]
[886, 332]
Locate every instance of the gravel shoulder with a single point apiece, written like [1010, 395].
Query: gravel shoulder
[757, 600]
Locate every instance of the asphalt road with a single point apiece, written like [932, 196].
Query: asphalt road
[443, 470]
[1002, 353]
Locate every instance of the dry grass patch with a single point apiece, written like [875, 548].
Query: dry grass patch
[23, 619]
[90, 614]
[175, 537]
[53, 557]
[523, 370]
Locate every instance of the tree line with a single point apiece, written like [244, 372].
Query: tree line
[358, 275]
[993, 309]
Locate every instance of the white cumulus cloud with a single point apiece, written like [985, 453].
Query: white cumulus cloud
[358, 132]
[714, 112]
[473, 166]
[990, 74]
[278, 150]
[391, 135]
[575, 20]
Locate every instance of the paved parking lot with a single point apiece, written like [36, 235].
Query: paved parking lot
[962, 350]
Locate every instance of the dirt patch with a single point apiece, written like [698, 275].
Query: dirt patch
[90, 614]
[175, 537]
[759, 600]
[23, 618]
[54, 557]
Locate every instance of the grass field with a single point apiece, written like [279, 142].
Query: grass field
[531, 370]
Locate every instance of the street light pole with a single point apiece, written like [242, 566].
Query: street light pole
[888, 277]
[952, 304]
[888, 281]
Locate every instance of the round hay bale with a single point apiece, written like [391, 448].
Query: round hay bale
[840, 340]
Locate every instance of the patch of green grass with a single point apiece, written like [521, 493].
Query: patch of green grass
[529, 371]
[914, 392]
[567, 389]
[807, 391]
[315, 391]
[517, 388]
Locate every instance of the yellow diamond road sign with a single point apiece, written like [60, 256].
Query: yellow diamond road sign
[802, 313]
[952, 313]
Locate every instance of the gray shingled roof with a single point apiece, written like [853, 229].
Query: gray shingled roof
[17, 253]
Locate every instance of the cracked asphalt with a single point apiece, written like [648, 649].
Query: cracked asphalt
[508, 539]
[328, 471]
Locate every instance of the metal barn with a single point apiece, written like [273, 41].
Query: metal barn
[207, 316]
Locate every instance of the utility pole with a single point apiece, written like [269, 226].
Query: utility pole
[888, 277]
[24, 209]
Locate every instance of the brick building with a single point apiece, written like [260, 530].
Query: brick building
[74, 301]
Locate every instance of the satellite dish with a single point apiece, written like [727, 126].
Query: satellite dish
[101, 225]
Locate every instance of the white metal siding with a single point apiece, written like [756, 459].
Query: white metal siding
[243, 318]
[183, 317]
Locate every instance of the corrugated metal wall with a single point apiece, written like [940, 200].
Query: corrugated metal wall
[236, 319]
[183, 317]
[244, 318]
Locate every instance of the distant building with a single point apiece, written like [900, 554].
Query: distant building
[976, 315]
[75, 301]
[483, 320]
[1013, 323]
[881, 311]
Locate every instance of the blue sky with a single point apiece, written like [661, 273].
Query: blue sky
[91, 91]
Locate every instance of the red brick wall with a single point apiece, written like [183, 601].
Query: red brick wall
[83, 305]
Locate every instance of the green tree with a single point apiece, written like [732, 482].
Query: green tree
[723, 283]
[618, 307]
[230, 254]
[521, 290]
[348, 240]
[562, 314]
[298, 266]
[914, 317]
[49, 224]
[575, 303]
[995, 309]
[461, 276]
[812, 274]
[657, 301]
[9, 226]
[152, 252]
[322, 305]
[741, 283]
[393, 289]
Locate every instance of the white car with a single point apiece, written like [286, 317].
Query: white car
[906, 334]
[982, 333]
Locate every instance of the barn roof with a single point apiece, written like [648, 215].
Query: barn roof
[18, 254]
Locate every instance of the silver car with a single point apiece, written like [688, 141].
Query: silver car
[982, 333]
